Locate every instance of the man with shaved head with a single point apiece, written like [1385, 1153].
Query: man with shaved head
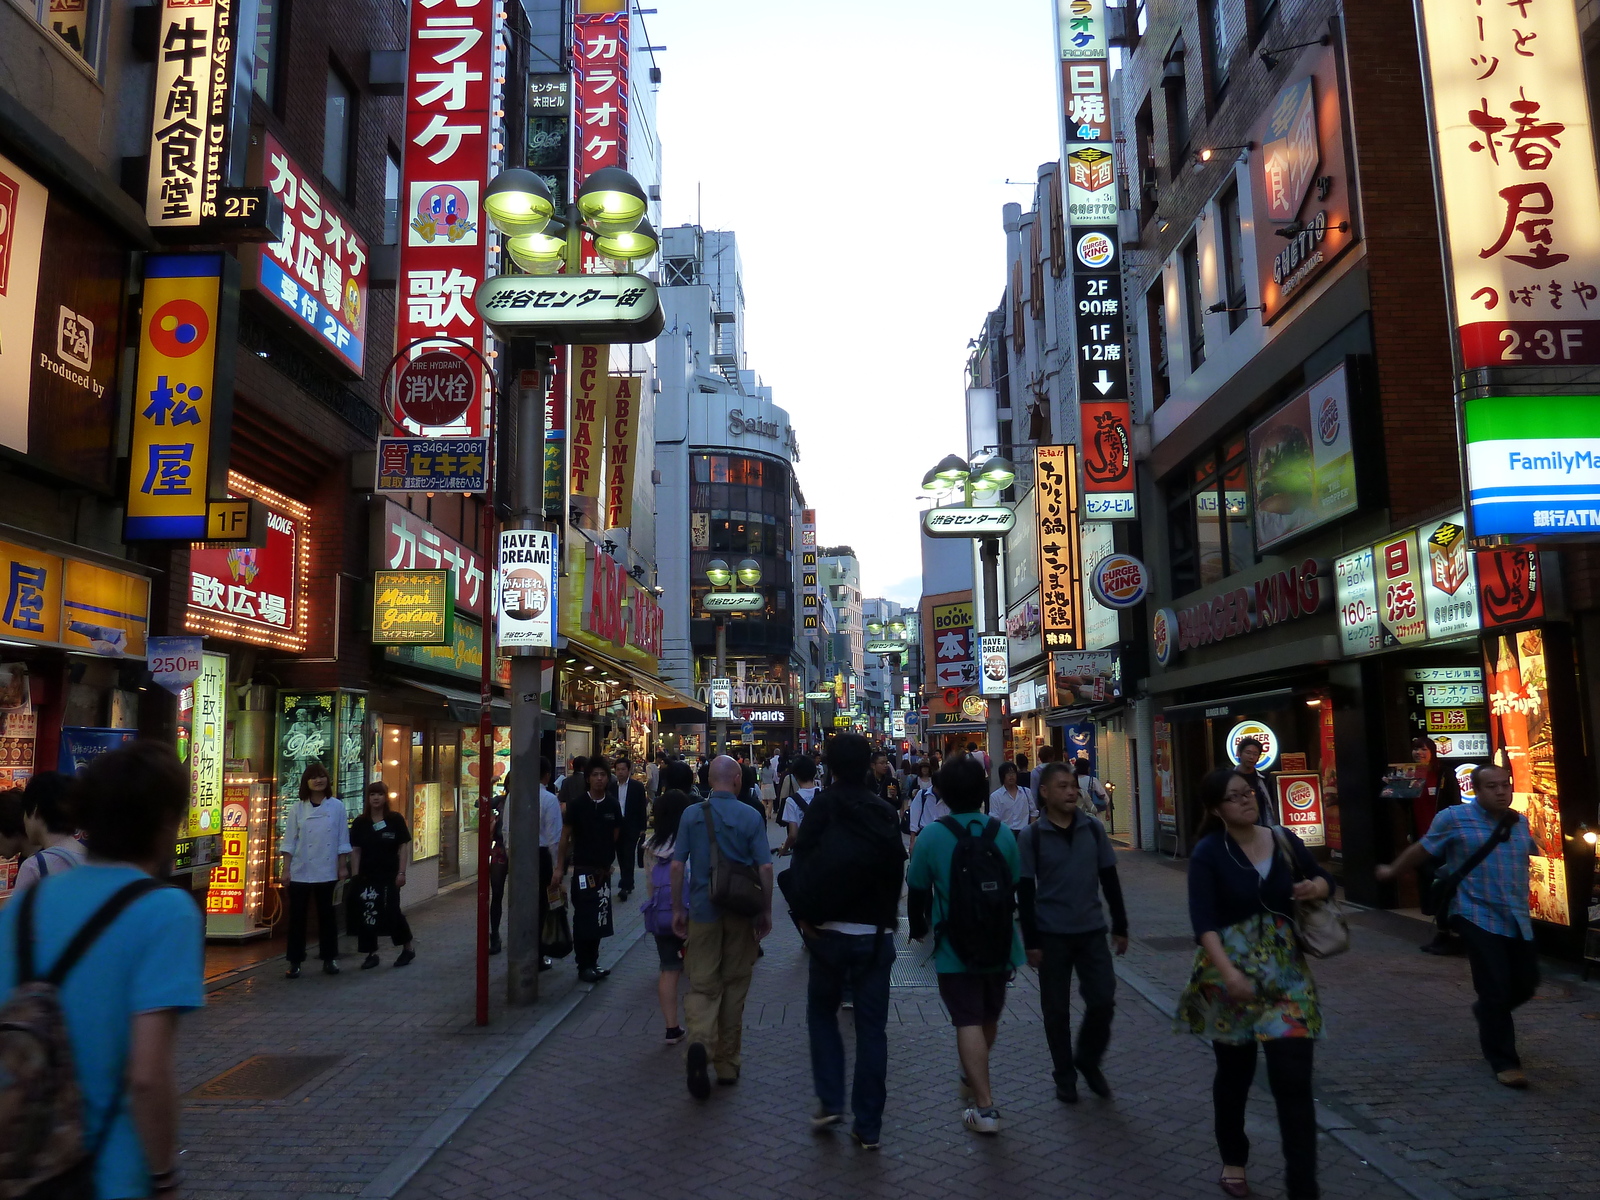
[720, 945]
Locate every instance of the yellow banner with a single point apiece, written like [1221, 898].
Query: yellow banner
[172, 401]
[622, 447]
[587, 427]
[106, 611]
[32, 606]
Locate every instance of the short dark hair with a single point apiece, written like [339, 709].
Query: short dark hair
[1022, 762]
[668, 815]
[1477, 773]
[962, 784]
[803, 769]
[676, 775]
[547, 769]
[46, 797]
[877, 754]
[1081, 766]
[1047, 754]
[1424, 742]
[1250, 741]
[597, 763]
[1049, 770]
[11, 813]
[1007, 768]
[127, 800]
[849, 757]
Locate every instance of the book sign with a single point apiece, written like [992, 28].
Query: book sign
[527, 588]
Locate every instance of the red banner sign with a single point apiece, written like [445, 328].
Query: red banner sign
[600, 111]
[444, 239]
[412, 544]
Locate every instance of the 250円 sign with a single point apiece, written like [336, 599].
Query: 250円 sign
[620, 309]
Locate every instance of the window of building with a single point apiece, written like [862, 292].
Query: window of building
[1036, 269]
[1261, 14]
[338, 131]
[75, 24]
[1019, 330]
[1208, 519]
[269, 36]
[1218, 48]
[1058, 228]
[1194, 310]
[1231, 226]
[1175, 90]
[391, 198]
[1155, 311]
[1144, 127]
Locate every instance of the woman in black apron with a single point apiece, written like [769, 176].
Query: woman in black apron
[380, 846]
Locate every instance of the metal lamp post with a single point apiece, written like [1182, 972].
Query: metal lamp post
[610, 207]
[720, 604]
[993, 474]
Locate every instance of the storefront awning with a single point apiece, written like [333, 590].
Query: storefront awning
[1228, 705]
[665, 693]
[464, 706]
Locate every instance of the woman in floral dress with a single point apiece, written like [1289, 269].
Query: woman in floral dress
[1250, 982]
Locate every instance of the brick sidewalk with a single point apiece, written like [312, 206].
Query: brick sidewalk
[599, 1105]
[601, 1109]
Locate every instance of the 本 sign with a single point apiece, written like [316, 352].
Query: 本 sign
[316, 273]
[527, 588]
[414, 464]
[174, 438]
[443, 246]
[954, 661]
[1060, 603]
[412, 608]
[1516, 162]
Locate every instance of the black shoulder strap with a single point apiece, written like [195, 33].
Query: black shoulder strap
[96, 925]
[40, 865]
[991, 829]
[1502, 833]
[953, 825]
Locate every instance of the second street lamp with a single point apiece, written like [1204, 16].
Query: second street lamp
[720, 604]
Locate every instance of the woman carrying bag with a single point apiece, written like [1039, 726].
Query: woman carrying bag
[380, 849]
[657, 908]
[1250, 982]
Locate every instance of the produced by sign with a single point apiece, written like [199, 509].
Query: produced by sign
[617, 309]
[527, 588]
[961, 521]
[415, 608]
[419, 464]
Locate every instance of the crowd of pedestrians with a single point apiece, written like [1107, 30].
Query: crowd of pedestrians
[1023, 874]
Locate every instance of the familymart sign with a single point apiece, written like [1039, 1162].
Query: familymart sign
[1533, 465]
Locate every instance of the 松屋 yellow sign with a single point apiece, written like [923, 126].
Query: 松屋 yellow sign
[412, 608]
[173, 399]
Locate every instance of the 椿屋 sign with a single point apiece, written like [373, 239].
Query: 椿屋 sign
[1516, 164]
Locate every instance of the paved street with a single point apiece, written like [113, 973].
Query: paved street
[599, 1106]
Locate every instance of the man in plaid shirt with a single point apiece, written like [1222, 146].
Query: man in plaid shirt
[1489, 912]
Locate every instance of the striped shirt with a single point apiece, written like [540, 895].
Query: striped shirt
[1494, 897]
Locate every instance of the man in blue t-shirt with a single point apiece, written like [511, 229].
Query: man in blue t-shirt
[720, 948]
[122, 999]
[974, 996]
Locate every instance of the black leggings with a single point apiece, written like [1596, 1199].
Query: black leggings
[1289, 1062]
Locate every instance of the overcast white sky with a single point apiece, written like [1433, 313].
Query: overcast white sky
[860, 152]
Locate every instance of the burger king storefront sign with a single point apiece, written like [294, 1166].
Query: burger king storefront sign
[1300, 591]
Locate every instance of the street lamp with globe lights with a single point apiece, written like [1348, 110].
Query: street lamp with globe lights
[984, 477]
[720, 604]
[542, 235]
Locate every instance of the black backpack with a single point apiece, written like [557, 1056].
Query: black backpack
[977, 922]
[861, 850]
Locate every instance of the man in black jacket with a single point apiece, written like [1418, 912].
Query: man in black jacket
[635, 815]
[845, 895]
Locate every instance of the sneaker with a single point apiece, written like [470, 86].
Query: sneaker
[874, 1144]
[369, 962]
[330, 967]
[982, 1120]
[1096, 1081]
[675, 1035]
[405, 958]
[699, 1081]
[847, 1005]
[822, 1118]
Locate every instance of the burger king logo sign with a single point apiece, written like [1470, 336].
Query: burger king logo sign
[1120, 581]
[1164, 634]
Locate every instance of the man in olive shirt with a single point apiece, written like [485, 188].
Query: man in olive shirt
[589, 842]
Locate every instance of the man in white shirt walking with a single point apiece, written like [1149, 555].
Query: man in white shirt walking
[316, 855]
[1011, 802]
[804, 773]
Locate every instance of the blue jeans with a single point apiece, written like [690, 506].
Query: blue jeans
[862, 963]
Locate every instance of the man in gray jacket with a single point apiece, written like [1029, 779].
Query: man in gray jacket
[1067, 863]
